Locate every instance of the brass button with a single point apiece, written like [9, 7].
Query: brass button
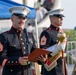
[17, 31]
[23, 47]
[57, 41]
[21, 39]
[20, 34]
[14, 45]
[11, 70]
[8, 61]
[22, 43]
[24, 52]
[12, 61]
[16, 61]
[56, 28]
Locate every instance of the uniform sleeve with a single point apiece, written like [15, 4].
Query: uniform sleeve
[44, 40]
[4, 58]
[32, 42]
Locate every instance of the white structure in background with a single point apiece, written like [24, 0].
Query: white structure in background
[57, 4]
[29, 3]
[30, 28]
[43, 10]
[5, 25]
[18, 1]
[32, 2]
[45, 23]
[39, 15]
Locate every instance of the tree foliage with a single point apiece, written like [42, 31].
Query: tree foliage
[71, 35]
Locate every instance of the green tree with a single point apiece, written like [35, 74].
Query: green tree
[71, 35]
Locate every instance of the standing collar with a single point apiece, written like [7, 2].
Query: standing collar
[16, 30]
[54, 28]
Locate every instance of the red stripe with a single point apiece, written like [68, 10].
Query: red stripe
[48, 63]
[4, 62]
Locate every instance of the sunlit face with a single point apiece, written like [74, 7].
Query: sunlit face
[18, 22]
[56, 21]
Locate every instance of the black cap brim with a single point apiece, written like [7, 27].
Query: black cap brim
[58, 15]
[20, 15]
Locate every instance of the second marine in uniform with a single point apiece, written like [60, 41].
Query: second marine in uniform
[49, 38]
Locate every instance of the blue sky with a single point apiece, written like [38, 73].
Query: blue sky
[69, 22]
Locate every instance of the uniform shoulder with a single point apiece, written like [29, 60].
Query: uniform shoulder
[5, 33]
[48, 29]
[45, 32]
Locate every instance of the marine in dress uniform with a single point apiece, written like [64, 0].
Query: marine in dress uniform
[49, 38]
[15, 44]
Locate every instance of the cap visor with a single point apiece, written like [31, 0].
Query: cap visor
[59, 15]
[20, 15]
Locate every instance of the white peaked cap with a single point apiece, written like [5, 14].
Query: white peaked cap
[56, 12]
[19, 10]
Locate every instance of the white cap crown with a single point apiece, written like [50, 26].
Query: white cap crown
[20, 10]
[56, 12]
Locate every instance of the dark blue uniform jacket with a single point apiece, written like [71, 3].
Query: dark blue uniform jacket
[15, 44]
[50, 38]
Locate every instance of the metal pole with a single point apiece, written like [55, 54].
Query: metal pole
[37, 36]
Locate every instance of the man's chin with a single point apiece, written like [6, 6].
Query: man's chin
[21, 27]
[60, 25]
